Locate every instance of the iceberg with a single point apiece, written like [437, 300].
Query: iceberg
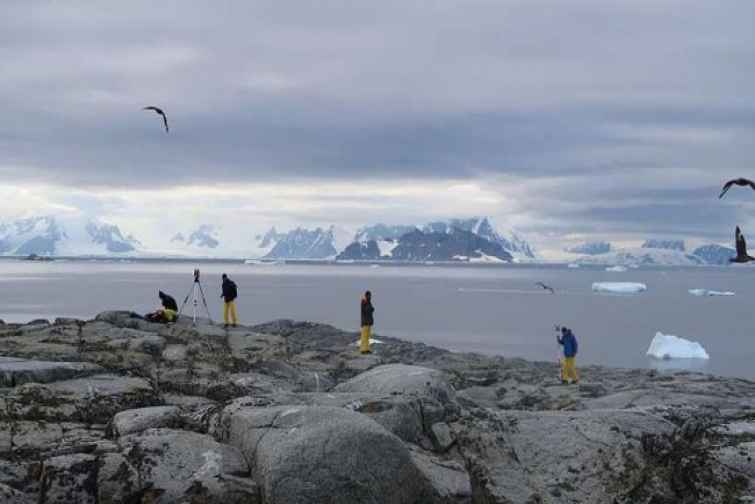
[666, 346]
[706, 292]
[617, 269]
[619, 287]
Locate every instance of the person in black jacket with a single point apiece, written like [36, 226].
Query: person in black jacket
[168, 312]
[368, 321]
[229, 295]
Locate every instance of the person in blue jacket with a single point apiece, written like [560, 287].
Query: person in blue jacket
[568, 366]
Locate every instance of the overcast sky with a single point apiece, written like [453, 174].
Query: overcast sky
[569, 120]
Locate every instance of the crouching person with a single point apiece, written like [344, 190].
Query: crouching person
[168, 312]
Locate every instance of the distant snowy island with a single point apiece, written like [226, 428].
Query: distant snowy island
[651, 253]
[455, 240]
[472, 240]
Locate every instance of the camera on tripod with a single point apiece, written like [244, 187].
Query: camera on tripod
[195, 293]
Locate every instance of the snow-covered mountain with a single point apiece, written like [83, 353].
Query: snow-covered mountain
[665, 245]
[642, 257]
[512, 243]
[590, 248]
[205, 236]
[715, 254]
[382, 232]
[269, 239]
[64, 236]
[302, 243]
[453, 244]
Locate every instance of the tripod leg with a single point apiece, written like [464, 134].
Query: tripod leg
[186, 300]
[204, 301]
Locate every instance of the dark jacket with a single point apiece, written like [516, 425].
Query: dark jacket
[229, 290]
[569, 341]
[367, 311]
[168, 302]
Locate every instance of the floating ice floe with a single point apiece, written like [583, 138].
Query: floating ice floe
[706, 292]
[666, 346]
[617, 269]
[573, 266]
[619, 287]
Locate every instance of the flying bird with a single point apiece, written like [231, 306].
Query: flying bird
[740, 182]
[159, 111]
[742, 256]
[545, 287]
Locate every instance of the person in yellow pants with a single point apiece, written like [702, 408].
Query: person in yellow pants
[229, 295]
[368, 320]
[568, 365]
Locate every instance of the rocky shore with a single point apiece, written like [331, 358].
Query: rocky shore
[119, 410]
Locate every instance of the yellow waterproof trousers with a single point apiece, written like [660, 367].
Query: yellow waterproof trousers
[569, 370]
[229, 313]
[170, 315]
[364, 341]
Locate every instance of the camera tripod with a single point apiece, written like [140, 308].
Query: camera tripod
[195, 291]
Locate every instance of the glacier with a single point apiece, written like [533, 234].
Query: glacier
[667, 346]
[619, 287]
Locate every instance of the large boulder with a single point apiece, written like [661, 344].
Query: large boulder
[435, 397]
[164, 466]
[325, 454]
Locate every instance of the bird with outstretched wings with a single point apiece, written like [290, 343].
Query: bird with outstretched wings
[740, 182]
[741, 244]
[159, 111]
[546, 287]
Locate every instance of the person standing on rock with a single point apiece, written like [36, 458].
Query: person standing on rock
[568, 365]
[229, 295]
[367, 322]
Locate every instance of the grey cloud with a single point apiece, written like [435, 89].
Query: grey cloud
[587, 91]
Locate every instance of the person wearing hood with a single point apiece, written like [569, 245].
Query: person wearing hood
[568, 366]
[368, 321]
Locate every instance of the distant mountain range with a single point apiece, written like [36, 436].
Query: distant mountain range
[461, 240]
[302, 243]
[455, 240]
[665, 245]
[591, 248]
[203, 236]
[653, 253]
[420, 246]
[62, 236]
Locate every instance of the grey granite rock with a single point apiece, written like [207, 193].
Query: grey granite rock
[323, 454]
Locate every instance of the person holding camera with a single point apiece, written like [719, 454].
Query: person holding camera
[568, 366]
[229, 295]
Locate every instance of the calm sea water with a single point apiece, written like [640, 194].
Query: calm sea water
[495, 310]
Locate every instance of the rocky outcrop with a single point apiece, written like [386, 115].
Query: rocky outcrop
[325, 454]
[119, 410]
